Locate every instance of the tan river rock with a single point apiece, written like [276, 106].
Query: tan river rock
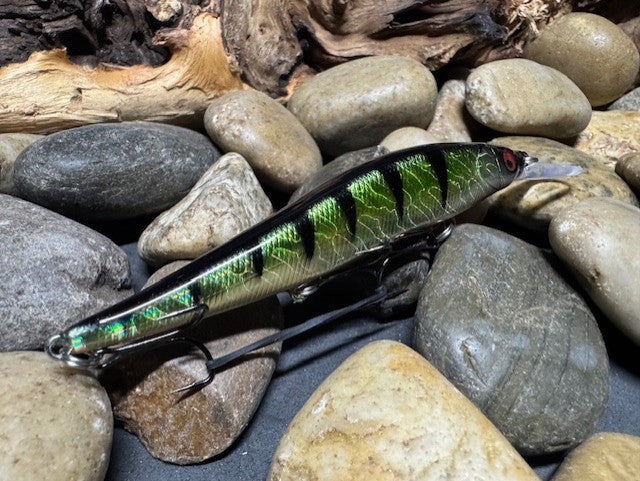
[387, 414]
[603, 457]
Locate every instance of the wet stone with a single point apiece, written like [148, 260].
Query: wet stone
[392, 422]
[506, 329]
[10, 147]
[113, 171]
[274, 142]
[598, 240]
[592, 51]
[533, 203]
[204, 424]
[56, 422]
[518, 96]
[227, 200]
[358, 103]
[54, 272]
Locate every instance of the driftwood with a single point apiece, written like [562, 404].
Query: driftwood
[192, 52]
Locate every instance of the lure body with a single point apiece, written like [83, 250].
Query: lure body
[364, 209]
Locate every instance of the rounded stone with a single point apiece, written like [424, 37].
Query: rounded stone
[54, 272]
[506, 329]
[113, 171]
[190, 429]
[358, 103]
[610, 135]
[385, 414]
[602, 457]
[592, 51]
[597, 239]
[56, 421]
[10, 147]
[630, 101]
[274, 142]
[407, 137]
[227, 200]
[533, 203]
[628, 167]
[519, 96]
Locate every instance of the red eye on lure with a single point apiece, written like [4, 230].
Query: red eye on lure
[509, 161]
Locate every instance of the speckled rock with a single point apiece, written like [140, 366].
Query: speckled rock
[450, 122]
[225, 201]
[628, 167]
[519, 96]
[274, 142]
[204, 424]
[592, 51]
[336, 167]
[610, 135]
[401, 420]
[56, 423]
[358, 103]
[505, 328]
[54, 272]
[533, 203]
[113, 171]
[10, 146]
[597, 239]
[630, 101]
[602, 457]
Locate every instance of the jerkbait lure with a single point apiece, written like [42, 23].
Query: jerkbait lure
[360, 214]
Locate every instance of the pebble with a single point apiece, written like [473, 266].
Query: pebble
[401, 420]
[55, 422]
[592, 51]
[508, 331]
[113, 171]
[628, 167]
[450, 122]
[610, 135]
[603, 457]
[274, 142]
[197, 427]
[630, 101]
[215, 211]
[54, 272]
[518, 96]
[597, 239]
[10, 147]
[533, 203]
[358, 103]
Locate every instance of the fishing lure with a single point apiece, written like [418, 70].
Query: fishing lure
[361, 214]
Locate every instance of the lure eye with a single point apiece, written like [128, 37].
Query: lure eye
[509, 161]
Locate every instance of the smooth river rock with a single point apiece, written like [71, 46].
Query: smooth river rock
[592, 51]
[610, 135]
[506, 329]
[10, 147]
[533, 203]
[274, 142]
[54, 272]
[628, 167]
[400, 420]
[598, 240]
[55, 422]
[358, 103]
[630, 101]
[518, 96]
[190, 429]
[113, 171]
[227, 200]
[602, 457]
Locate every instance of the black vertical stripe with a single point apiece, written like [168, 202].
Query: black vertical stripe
[307, 233]
[194, 291]
[439, 165]
[394, 181]
[257, 260]
[348, 207]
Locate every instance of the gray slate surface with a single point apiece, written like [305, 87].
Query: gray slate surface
[305, 362]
